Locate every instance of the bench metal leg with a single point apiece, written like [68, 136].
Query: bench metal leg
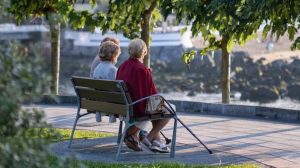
[122, 139]
[74, 126]
[173, 146]
[120, 132]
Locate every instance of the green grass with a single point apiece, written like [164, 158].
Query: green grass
[64, 134]
[90, 164]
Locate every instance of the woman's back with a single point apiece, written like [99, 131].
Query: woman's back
[105, 70]
[139, 82]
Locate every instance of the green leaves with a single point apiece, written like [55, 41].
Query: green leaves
[230, 45]
[187, 57]
[183, 31]
[237, 19]
[296, 44]
[266, 30]
[292, 31]
[23, 9]
[127, 16]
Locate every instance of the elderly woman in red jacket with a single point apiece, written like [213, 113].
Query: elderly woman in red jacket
[140, 84]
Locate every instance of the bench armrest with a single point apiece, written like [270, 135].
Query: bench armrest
[145, 98]
[148, 97]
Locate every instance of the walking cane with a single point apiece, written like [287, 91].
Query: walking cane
[174, 113]
[168, 140]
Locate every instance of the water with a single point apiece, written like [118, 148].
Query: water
[285, 103]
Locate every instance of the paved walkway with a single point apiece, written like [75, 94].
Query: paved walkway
[233, 140]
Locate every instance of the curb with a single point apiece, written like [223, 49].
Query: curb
[205, 108]
[238, 110]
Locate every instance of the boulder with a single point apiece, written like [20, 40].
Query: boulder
[239, 58]
[191, 93]
[260, 94]
[278, 64]
[293, 91]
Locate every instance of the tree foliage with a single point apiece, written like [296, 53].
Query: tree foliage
[135, 19]
[238, 20]
[24, 9]
[4, 15]
[220, 23]
[280, 17]
[214, 20]
[223, 23]
[126, 16]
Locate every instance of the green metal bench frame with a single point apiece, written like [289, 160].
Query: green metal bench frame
[112, 97]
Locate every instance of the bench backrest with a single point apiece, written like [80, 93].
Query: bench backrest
[108, 96]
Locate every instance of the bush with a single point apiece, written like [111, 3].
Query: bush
[23, 142]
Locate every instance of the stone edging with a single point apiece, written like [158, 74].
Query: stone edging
[238, 110]
[207, 108]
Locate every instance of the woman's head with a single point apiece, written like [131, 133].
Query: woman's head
[109, 51]
[112, 39]
[137, 48]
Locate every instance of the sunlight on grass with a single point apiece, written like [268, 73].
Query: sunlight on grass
[82, 134]
[58, 134]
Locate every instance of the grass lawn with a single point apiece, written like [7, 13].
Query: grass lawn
[79, 134]
[64, 134]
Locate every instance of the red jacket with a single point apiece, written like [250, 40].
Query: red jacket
[139, 82]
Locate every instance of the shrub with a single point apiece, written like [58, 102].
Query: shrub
[23, 142]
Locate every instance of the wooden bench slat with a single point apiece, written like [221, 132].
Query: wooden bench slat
[104, 85]
[112, 97]
[109, 108]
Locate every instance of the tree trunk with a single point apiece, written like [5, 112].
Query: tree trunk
[55, 56]
[225, 72]
[145, 36]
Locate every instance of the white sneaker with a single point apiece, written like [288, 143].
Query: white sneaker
[158, 146]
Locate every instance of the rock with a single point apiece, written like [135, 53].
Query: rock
[274, 80]
[286, 75]
[260, 94]
[245, 95]
[240, 58]
[278, 64]
[191, 93]
[293, 91]
[261, 61]
[295, 68]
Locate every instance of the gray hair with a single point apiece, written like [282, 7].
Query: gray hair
[137, 48]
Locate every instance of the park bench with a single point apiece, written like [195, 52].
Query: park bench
[112, 97]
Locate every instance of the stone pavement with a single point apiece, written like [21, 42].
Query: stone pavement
[233, 140]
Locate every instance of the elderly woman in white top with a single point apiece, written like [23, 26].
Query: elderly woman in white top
[96, 60]
[108, 54]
